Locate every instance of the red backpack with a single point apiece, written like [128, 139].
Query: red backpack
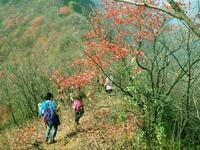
[77, 105]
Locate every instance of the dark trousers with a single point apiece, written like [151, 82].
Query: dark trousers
[51, 132]
[78, 115]
[51, 128]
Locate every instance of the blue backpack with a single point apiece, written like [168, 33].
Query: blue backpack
[49, 113]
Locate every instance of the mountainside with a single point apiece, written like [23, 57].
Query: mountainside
[136, 70]
[40, 28]
[35, 37]
[99, 128]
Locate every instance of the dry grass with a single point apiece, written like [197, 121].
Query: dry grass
[10, 23]
[93, 133]
[4, 113]
[34, 27]
[64, 10]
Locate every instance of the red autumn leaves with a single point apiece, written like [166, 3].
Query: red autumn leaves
[115, 34]
[75, 81]
[78, 80]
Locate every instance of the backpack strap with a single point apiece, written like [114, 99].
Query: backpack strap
[49, 104]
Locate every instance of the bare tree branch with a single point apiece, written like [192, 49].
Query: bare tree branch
[99, 65]
[178, 13]
[149, 6]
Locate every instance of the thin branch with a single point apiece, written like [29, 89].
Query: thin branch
[195, 100]
[194, 62]
[117, 85]
[99, 65]
[149, 6]
[178, 13]
[138, 63]
[172, 53]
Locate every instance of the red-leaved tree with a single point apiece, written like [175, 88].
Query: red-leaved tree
[117, 32]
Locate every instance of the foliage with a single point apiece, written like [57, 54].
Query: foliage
[155, 65]
[81, 6]
[34, 42]
[130, 43]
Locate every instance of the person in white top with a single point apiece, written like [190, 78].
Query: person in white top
[108, 84]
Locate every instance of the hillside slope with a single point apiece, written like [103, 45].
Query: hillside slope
[97, 130]
[41, 28]
[35, 37]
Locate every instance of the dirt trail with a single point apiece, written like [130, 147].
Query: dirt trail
[69, 134]
[92, 133]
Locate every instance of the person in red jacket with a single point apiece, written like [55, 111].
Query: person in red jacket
[78, 108]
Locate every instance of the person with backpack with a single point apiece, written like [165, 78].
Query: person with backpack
[108, 84]
[78, 107]
[48, 112]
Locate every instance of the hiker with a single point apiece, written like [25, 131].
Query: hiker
[100, 82]
[78, 107]
[108, 84]
[50, 117]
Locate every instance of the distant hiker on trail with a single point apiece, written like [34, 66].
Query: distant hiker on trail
[108, 84]
[78, 107]
[100, 82]
[47, 109]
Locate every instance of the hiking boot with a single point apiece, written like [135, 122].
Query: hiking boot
[52, 141]
[45, 140]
